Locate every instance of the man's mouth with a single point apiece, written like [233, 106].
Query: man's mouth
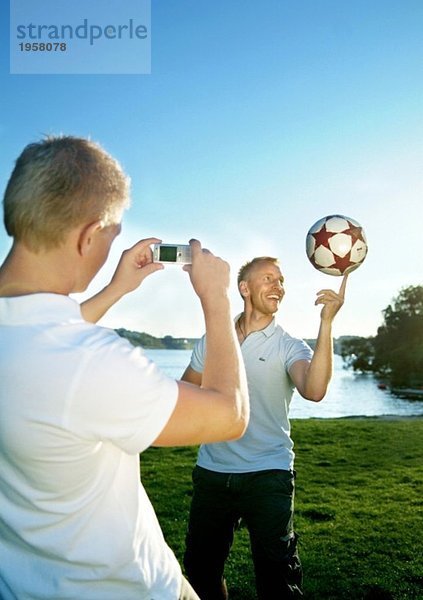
[275, 297]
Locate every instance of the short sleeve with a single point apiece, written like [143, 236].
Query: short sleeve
[120, 396]
[198, 355]
[295, 350]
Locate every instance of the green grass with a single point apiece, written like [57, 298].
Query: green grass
[358, 508]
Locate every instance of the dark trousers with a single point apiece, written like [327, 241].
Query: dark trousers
[264, 500]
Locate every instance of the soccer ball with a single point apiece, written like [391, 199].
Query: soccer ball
[336, 245]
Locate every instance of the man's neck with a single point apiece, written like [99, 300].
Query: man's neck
[252, 320]
[25, 272]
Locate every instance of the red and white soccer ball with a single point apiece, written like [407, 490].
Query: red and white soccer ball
[336, 245]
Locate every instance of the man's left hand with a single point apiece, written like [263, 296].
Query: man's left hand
[331, 300]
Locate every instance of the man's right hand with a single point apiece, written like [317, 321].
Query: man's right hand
[209, 274]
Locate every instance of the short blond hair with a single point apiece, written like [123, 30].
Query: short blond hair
[246, 268]
[59, 183]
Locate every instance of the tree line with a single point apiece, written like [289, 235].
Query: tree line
[396, 351]
[140, 338]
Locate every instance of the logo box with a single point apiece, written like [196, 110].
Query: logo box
[80, 37]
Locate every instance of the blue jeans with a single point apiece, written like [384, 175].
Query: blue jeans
[264, 500]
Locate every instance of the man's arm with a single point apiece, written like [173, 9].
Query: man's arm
[134, 266]
[311, 378]
[219, 409]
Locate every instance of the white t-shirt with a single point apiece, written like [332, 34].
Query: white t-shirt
[77, 404]
[268, 355]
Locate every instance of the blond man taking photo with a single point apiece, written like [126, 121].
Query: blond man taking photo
[78, 404]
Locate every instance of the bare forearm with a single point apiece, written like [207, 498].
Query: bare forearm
[94, 308]
[312, 378]
[134, 266]
[319, 372]
[224, 369]
[216, 407]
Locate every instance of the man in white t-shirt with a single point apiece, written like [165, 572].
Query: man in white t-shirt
[78, 403]
[253, 478]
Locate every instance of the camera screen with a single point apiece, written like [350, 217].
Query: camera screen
[168, 253]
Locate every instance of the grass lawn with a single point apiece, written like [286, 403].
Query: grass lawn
[358, 508]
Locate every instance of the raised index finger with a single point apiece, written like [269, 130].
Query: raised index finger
[343, 286]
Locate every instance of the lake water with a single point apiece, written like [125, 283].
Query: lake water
[349, 394]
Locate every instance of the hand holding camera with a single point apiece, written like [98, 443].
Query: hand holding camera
[209, 275]
[136, 263]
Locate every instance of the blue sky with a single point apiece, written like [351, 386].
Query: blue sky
[257, 119]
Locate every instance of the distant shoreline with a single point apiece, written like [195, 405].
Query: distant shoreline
[361, 418]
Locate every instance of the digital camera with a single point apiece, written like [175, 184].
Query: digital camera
[172, 253]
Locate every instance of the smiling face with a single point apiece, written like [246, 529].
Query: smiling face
[263, 288]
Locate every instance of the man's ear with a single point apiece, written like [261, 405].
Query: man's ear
[243, 289]
[87, 237]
